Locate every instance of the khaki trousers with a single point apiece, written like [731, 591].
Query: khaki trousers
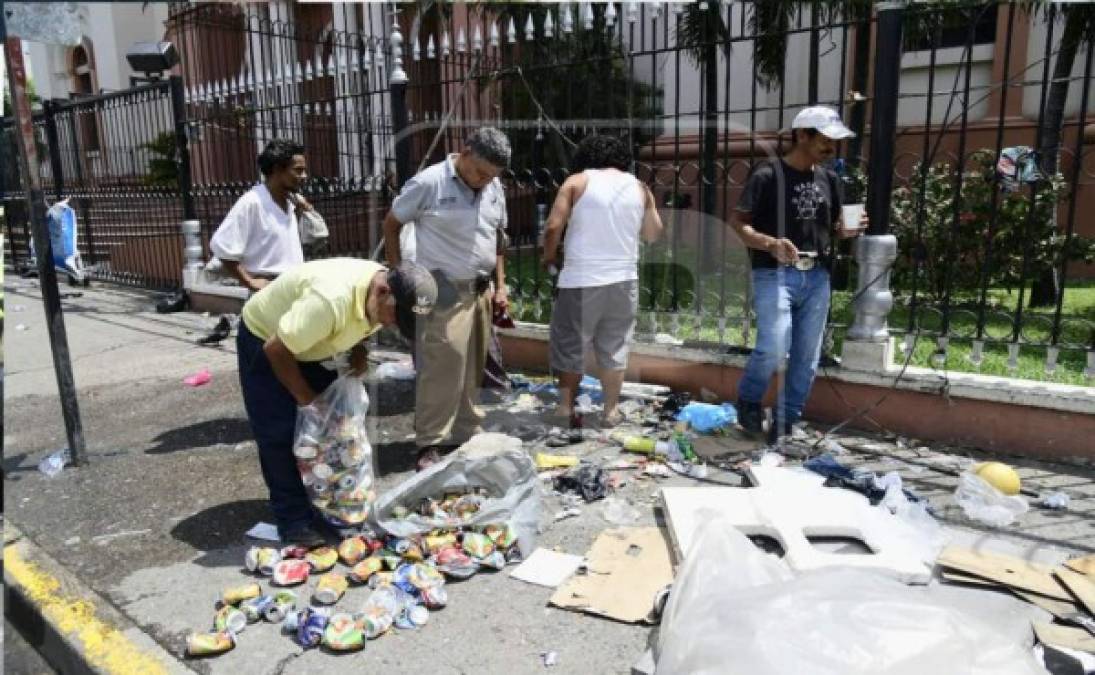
[452, 352]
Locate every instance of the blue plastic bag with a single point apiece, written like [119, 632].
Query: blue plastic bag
[61, 221]
[707, 417]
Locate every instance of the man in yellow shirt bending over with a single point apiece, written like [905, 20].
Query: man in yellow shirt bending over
[305, 316]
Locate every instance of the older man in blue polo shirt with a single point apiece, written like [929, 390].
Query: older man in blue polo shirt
[458, 205]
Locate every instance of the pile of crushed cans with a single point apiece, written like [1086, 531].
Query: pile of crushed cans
[406, 577]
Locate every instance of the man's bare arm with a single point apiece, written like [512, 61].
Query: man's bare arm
[234, 268]
[652, 227]
[782, 249]
[391, 227]
[284, 364]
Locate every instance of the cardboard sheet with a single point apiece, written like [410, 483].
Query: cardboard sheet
[1004, 569]
[1065, 636]
[627, 568]
[1080, 585]
[1084, 565]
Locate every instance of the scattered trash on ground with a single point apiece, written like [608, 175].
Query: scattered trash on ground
[1057, 501]
[55, 462]
[199, 378]
[984, 503]
[549, 658]
[618, 511]
[547, 568]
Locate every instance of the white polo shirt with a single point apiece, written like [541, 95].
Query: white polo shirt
[259, 235]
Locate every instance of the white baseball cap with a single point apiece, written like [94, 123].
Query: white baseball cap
[824, 119]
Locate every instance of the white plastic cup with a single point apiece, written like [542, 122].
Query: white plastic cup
[852, 214]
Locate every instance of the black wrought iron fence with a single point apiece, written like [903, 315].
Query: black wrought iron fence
[994, 264]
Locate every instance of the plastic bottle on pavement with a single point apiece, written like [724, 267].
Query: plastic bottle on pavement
[52, 465]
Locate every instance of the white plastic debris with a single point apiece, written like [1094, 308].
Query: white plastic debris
[1054, 500]
[667, 339]
[833, 448]
[549, 658]
[985, 504]
[21, 327]
[52, 465]
[583, 403]
[395, 370]
[771, 459]
[619, 512]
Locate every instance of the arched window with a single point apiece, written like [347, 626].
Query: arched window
[83, 84]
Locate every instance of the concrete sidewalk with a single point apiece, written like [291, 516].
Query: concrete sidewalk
[155, 523]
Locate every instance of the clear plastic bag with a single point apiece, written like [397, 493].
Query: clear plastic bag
[985, 504]
[333, 453]
[736, 609]
[493, 462]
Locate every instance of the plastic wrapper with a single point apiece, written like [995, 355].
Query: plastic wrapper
[333, 453]
[985, 504]
[734, 604]
[707, 417]
[492, 463]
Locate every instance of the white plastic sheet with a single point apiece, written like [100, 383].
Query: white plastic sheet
[735, 609]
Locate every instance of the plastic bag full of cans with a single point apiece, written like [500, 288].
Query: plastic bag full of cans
[333, 453]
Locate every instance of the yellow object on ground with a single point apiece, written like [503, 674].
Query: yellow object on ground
[1000, 476]
[546, 461]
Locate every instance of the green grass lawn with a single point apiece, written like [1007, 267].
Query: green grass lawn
[1078, 318]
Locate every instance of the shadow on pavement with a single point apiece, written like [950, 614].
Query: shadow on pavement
[395, 457]
[209, 530]
[226, 430]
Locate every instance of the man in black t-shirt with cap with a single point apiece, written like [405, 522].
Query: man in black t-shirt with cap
[788, 212]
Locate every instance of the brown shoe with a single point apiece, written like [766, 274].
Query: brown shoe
[427, 457]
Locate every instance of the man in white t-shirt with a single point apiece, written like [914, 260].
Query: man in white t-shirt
[259, 238]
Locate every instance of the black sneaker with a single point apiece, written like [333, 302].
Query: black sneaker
[751, 417]
[176, 302]
[304, 535]
[779, 428]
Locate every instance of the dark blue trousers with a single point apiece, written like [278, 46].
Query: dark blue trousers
[272, 411]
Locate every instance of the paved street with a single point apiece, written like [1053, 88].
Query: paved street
[155, 521]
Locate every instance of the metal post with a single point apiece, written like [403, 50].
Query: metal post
[182, 147]
[398, 84]
[47, 276]
[876, 251]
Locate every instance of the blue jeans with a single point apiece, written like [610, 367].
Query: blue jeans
[272, 412]
[791, 307]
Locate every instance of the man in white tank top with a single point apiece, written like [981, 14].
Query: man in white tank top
[603, 210]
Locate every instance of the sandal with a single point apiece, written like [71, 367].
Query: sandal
[427, 457]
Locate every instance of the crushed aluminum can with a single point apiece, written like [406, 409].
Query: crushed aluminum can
[352, 550]
[322, 559]
[237, 594]
[363, 570]
[209, 644]
[311, 623]
[375, 623]
[230, 619]
[294, 551]
[435, 597]
[284, 604]
[343, 634]
[330, 588]
[423, 575]
[477, 545]
[381, 579]
[322, 472]
[399, 511]
[386, 599]
[390, 559]
[255, 608]
[306, 450]
[455, 563]
[347, 482]
[412, 617]
[262, 559]
[435, 543]
[291, 572]
[494, 561]
[353, 453]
